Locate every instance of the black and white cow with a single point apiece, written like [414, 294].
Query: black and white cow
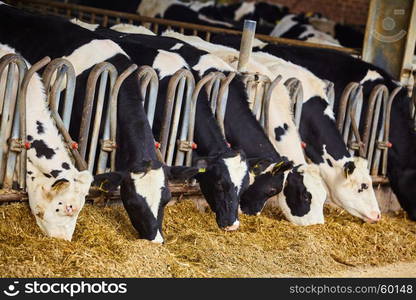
[324, 144]
[288, 142]
[226, 176]
[342, 69]
[270, 183]
[143, 179]
[56, 188]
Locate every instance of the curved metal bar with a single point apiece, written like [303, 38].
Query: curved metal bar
[111, 120]
[170, 126]
[147, 75]
[103, 70]
[222, 100]
[266, 102]
[212, 88]
[295, 89]
[377, 103]
[12, 119]
[349, 114]
[63, 68]
[383, 141]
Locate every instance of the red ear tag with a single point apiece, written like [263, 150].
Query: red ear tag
[389, 145]
[194, 146]
[303, 145]
[74, 145]
[27, 145]
[157, 145]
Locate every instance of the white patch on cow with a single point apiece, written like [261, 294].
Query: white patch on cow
[209, 61]
[149, 186]
[215, 22]
[158, 239]
[177, 46]
[329, 112]
[345, 191]
[93, 53]
[198, 5]
[167, 63]
[258, 43]
[152, 8]
[90, 27]
[371, 76]
[237, 168]
[284, 25]
[69, 198]
[129, 28]
[244, 9]
[318, 37]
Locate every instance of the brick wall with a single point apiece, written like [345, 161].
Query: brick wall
[343, 11]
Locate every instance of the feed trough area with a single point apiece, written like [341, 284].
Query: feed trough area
[106, 245]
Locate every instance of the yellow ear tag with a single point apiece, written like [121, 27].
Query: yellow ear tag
[309, 14]
[277, 167]
[202, 170]
[346, 173]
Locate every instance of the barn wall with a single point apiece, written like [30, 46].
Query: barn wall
[343, 11]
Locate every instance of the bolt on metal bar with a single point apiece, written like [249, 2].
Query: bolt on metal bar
[10, 117]
[148, 81]
[63, 69]
[294, 86]
[102, 70]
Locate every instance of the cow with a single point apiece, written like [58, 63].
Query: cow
[262, 186]
[55, 187]
[342, 69]
[142, 178]
[226, 176]
[324, 144]
[282, 119]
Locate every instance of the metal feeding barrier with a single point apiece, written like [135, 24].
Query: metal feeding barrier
[12, 66]
[177, 131]
[368, 137]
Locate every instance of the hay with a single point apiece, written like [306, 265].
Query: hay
[105, 245]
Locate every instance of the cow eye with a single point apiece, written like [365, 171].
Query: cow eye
[60, 203]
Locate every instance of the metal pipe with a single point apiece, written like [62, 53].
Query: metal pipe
[53, 94]
[147, 75]
[222, 101]
[246, 45]
[266, 103]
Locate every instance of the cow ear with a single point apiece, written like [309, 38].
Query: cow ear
[181, 173]
[257, 165]
[349, 168]
[83, 181]
[360, 163]
[282, 167]
[108, 181]
[60, 185]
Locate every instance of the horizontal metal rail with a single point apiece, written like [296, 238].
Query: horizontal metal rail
[108, 18]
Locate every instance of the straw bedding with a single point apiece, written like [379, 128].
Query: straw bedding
[106, 245]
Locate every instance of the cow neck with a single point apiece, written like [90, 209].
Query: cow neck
[242, 129]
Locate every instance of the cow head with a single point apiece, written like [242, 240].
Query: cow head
[56, 202]
[145, 193]
[223, 181]
[303, 196]
[352, 187]
[266, 180]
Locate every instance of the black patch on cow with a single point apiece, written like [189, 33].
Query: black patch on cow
[349, 167]
[59, 181]
[47, 175]
[29, 138]
[279, 132]
[42, 149]
[329, 163]
[298, 198]
[65, 166]
[29, 172]
[285, 126]
[40, 127]
[55, 173]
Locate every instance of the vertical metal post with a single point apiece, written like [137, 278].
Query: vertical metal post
[246, 45]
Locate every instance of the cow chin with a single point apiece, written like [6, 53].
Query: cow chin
[61, 229]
